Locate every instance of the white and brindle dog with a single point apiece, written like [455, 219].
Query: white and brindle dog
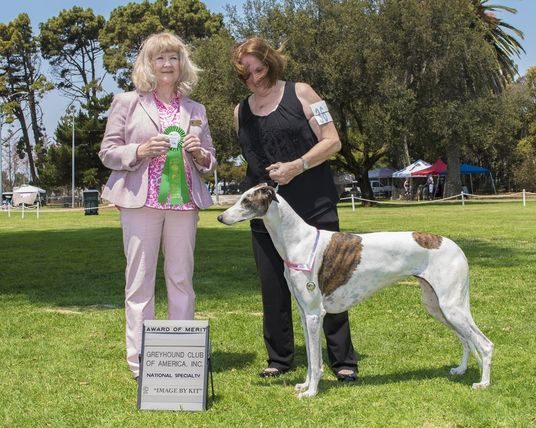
[331, 271]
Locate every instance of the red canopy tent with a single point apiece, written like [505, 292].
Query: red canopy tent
[439, 167]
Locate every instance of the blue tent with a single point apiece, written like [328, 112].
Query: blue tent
[468, 169]
[465, 168]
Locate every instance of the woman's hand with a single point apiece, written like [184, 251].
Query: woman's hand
[192, 145]
[156, 146]
[283, 172]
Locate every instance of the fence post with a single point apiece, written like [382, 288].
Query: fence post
[353, 203]
[463, 199]
[9, 210]
[22, 212]
[524, 198]
[38, 205]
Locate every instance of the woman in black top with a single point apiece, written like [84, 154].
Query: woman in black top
[283, 142]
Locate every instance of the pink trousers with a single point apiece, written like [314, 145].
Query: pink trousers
[143, 231]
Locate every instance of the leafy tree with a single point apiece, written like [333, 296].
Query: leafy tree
[230, 172]
[89, 171]
[402, 77]
[526, 149]
[213, 56]
[70, 42]
[23, 83]
[131, 24]
[443, 56]
[331, 46]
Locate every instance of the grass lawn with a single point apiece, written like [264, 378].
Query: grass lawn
[62, 350]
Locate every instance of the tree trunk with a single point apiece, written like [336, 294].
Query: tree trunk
[19, 114]
[407, 159]
[453, 184]
[38, 135]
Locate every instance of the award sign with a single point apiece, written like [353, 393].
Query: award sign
[174, 365]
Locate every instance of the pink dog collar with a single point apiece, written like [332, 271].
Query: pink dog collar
[307, 267]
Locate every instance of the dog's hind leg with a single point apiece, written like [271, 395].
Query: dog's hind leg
[452, 308]
[462, 368]
[480, 345]
[430, 302]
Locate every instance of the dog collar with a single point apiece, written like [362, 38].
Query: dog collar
[308, 267]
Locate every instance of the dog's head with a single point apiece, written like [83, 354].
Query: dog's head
[254, 203]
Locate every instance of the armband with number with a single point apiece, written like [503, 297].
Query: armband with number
[321, 112]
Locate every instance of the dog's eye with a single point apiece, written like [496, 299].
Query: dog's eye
[246, 203]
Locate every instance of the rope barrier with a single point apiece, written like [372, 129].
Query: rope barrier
[463, 196]
[402, 202]
[39, 210]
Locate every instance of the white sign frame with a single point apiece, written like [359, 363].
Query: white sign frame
[174, 364]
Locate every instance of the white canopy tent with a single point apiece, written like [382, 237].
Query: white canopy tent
[414, 167]
[28, 195]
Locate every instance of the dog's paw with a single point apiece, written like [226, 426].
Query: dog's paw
[309, 393]
[480, 385]
[301, 386]
[458, 370]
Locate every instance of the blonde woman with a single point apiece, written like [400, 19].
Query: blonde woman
[158, 145]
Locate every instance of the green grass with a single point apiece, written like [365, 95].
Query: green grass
[62, 328]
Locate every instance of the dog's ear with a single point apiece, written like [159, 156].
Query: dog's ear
[269, 191]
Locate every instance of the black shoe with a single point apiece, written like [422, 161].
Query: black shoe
[272, 372]
[346, 375]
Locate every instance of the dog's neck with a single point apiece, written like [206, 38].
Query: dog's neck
[293, 238]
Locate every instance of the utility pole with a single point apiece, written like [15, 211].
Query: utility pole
[72, 161]
[1, 156]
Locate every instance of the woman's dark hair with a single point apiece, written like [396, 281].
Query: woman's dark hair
[272, 58]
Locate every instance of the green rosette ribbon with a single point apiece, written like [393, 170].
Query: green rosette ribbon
[173, 180]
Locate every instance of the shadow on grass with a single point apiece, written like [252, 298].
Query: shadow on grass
[85, 267]
[225, 361]
[472, 375]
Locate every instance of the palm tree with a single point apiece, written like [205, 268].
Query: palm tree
[505, 44]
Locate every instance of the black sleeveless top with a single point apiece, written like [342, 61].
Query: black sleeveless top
[283, 136]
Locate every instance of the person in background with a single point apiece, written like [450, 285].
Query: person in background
[157, 143]
[407, 188]
[430, 185]
[287, 135]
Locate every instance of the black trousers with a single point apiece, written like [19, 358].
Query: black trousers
[277, 308]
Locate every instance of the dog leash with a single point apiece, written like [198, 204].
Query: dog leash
[308, 267]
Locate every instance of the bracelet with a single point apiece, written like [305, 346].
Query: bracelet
[199, 158]
[304, 163]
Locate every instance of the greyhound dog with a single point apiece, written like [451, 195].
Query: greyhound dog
[331, 271]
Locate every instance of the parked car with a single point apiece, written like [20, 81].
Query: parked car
[380, 190]
[350, 189]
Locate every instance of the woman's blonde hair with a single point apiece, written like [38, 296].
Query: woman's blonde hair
[143, 74]
[273, 59]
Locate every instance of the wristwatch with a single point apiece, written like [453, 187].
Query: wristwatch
[304, 163]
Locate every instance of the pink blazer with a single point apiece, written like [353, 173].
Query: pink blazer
[132, 120]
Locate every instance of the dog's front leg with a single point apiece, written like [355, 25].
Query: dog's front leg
[313, 324]
[305, 385]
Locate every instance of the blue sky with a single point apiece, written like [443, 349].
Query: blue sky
[54, 105]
